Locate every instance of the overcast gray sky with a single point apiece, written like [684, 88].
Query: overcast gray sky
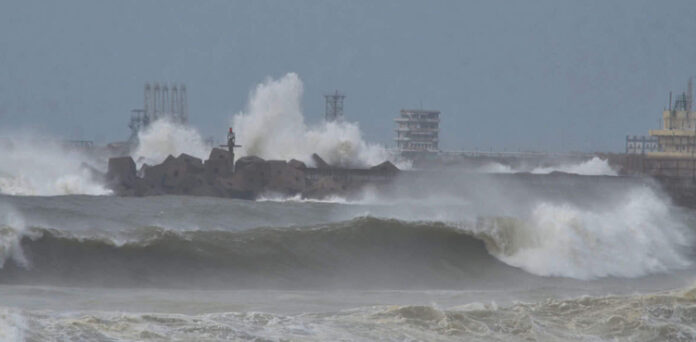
[542, 75]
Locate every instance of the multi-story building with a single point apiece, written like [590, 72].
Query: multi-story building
[677, 138]
[417, 131]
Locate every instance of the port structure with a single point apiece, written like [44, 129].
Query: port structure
[677, 137]
[334, 107]
[160, 101]
[641, 144]
[417, 131]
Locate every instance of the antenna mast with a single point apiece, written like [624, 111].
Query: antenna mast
[689, 95]
[334, 107]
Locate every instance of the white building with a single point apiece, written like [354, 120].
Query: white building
[418, 131]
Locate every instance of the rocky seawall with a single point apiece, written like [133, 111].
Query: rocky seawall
[247, 178]
[252, 177]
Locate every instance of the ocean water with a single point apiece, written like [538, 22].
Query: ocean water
[480, 262]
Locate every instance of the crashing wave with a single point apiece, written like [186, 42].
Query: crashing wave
[165, 137]
[592, 167]
[555, 241]
[273, 127]
[32, 167]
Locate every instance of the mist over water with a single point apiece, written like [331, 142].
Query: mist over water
[34, 165]
[592, 167]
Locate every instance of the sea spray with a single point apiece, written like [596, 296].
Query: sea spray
[273, 127]
[163, 138]
[12, 228]
[592, 167]
[637, 237]
[495, 167]
[30, 166]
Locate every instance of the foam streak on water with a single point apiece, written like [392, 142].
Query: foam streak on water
[668, 316]
[593, 167]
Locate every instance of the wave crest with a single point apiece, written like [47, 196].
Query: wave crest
[367, 251]
[637, 237]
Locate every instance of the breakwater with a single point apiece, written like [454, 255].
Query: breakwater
[251, 177]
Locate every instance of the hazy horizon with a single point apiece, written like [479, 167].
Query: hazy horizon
[555, 76]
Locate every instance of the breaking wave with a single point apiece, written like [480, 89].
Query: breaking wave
[273, 127]
[633, 239]
[365, 252]
[12, 229]
[592, 167]
[636, 237]
[40, 167]
[163, 138]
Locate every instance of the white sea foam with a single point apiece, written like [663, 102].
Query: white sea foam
[12, 325]
[636, 237]
[593, 167]
[163, 138]
[271, 197]
[663, 316]
[273, 127]
[38, 167]
[12, 228]
[495, 167]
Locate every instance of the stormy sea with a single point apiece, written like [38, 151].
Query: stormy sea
[459, 254]
[607, 263]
